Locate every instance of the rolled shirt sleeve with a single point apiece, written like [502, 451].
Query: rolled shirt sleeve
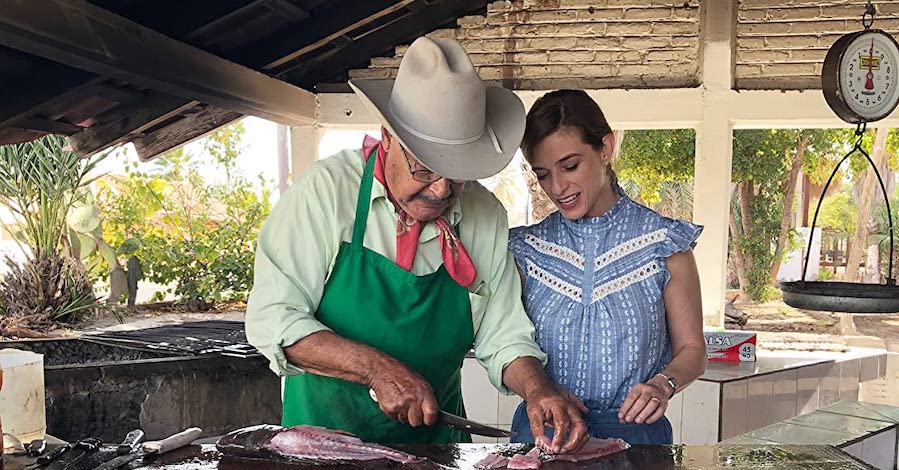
[295, 249]
[504, 332]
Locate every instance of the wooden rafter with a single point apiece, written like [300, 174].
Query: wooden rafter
[417, 22]
[127, 122]
[331, 21]
[182, 132]
[80, 34]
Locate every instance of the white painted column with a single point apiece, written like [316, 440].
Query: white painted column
[714, 153]
[303, 149]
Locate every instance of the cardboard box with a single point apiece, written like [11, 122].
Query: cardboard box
[730, 345]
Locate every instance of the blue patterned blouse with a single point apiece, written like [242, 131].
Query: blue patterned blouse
[593, 289]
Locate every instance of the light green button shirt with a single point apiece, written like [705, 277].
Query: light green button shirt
[299, 242]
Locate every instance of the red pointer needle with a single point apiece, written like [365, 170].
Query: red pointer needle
[869, 85]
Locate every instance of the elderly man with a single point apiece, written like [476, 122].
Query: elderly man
[380, 268]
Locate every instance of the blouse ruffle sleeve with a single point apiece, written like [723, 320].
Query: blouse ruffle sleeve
[681, 235]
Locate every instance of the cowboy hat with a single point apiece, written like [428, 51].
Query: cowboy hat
[444, 114]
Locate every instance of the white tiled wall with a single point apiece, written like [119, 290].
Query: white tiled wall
[829, 389]
[850, 372]
[734, 404]
[786, 384]
[484, 403]
[809, 382]
[760, 401]
[752, 403]
[674, 413]
[880, 450]
[701, 401]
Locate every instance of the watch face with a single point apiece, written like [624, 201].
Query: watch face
[868, 75]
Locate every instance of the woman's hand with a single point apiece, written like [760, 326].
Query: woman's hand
[646, 403]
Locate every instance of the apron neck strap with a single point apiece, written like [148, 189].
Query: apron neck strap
[363, 202]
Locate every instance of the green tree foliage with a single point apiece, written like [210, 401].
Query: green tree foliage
[837, 217]
[198, 235]
[765, 165]
[652, 159]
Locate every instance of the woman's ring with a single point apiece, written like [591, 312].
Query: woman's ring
[656, 400]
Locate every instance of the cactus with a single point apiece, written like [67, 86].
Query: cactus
[135, 274]
[86, 237]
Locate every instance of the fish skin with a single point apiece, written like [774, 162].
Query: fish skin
[310, 443]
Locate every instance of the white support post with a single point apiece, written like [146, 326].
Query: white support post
[714, 152]
[304, 142]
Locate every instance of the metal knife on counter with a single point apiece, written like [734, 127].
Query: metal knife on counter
[462, 424]
[132, 441]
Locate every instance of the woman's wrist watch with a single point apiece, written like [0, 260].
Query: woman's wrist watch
[672, 382]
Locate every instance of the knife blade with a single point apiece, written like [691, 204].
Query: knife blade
[461, 424]
[469, 426]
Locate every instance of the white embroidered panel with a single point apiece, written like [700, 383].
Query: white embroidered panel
[631, 246]
[556, 251]
[631, 278]
[553, 282]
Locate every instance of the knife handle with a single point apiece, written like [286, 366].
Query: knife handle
[53, 454]
[173, 442]
[130, 443]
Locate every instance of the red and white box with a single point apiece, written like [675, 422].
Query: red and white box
[730, 345]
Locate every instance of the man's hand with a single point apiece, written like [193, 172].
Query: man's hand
[548, 405]
[562, 411]
[646, 403]
[404, 395]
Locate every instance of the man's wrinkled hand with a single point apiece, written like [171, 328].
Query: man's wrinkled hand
[562, 411]
[405, 395]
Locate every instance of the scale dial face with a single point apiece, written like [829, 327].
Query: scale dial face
[863, 68]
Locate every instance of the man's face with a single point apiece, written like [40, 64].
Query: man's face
[423, 201]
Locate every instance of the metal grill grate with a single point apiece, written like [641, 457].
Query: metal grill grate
[226, 338]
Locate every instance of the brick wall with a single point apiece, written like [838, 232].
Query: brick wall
[781, 44]
[547, 44]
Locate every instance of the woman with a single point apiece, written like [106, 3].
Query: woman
[611, 285]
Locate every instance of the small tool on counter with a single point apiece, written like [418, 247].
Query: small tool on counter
[87, 446]
[150, 448]
[461, 424]
[36, 447]
[131, 442]
[49, 457]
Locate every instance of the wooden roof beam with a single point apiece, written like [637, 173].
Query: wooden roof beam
[129, 121]
[80, 34]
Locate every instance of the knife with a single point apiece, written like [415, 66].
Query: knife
[461, 424]
[172, 442]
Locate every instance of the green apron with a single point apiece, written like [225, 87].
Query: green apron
[422, 321]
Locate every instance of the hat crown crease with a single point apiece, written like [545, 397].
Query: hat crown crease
[438, 95]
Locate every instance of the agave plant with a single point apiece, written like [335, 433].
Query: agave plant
[44, 291]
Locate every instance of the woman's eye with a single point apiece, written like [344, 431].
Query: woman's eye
[541, 176]
[571, 167]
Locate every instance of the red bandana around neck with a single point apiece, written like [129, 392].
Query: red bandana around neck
[455, 257]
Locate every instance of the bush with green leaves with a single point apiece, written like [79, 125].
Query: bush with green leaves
[195, 234]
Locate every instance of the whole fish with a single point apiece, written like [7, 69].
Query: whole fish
[307, 443]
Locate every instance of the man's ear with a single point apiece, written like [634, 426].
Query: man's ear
[386, 138]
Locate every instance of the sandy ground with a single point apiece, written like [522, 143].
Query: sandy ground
[778, 317]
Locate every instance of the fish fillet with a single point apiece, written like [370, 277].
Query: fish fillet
[593, 449]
